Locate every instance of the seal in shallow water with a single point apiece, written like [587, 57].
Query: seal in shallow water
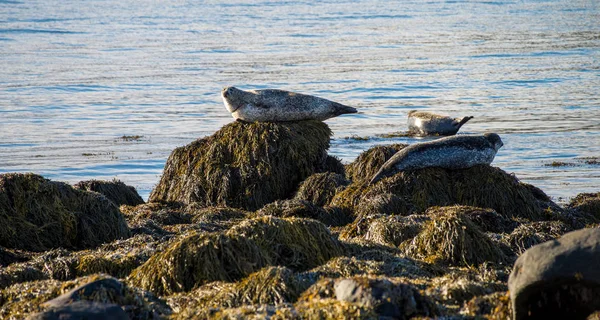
[279, 105]
[456, 152]
[426, 123]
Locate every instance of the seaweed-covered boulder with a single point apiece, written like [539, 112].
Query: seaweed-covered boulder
[588, 203]
[321, 187]
[115, 190]
[199, 258]
[530, 234]
[479, 186]
[38, 214]
[305, 209]
[368, 163]
[245, 165]
[451, 237]
[385, 230]
[558, 279]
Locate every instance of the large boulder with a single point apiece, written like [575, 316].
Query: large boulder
[558, 279]
[245, 165]
[38, 214]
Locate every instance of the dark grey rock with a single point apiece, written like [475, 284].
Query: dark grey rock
[81, 310]
[108, 287]
[388, 299]
[558, 279]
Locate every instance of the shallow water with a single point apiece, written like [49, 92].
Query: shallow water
[77, 76]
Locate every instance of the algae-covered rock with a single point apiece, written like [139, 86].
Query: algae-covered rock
[558, 278]
[369, 162]
[196, 259]
[588, 203]
[530, 234]
[78, 310]
[386, 230]
[38, 214]
[305, 209]
[245, 165]
[451, 237]
[25, 298]
[321, 187]
[276, 286]
[479, 186]
[115, 190]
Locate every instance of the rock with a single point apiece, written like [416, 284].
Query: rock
[38, 214]
[388, 299]
[558, 279]
[110, 288]
[81, 310]
[116, 191]
[244, 165]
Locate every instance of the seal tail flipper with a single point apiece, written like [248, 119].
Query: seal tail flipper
[342, 109]
[378, 176]
[463, 121]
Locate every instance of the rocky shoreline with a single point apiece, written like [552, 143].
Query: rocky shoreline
[258, 221]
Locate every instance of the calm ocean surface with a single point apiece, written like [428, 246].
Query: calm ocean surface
[77, 76]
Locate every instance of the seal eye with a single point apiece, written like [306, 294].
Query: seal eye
[226, 92]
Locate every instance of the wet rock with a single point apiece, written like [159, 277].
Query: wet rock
[321, 187]
[244, 165]
[79, 310]
[38, 214]
[388, 299]
[559, 278]
[116, 191]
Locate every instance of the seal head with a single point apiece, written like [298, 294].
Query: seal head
[455, 152]
[278, 105]
[425, 123]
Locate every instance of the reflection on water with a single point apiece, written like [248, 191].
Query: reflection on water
[78, 75]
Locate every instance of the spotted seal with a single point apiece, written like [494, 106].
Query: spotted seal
[425, 123]
[455, 152]
[279, 105]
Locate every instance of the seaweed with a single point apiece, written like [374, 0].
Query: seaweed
[38, 214]
[452, 238]
[305, 209]
[320, 188]
[244, 165]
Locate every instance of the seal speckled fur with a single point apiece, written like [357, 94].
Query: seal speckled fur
[456, 152]
[426, 123]
[279, 105]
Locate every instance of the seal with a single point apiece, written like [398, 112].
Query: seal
[456, 152]
[279, 105]
[425, 123]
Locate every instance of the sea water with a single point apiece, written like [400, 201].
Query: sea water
[107, 89]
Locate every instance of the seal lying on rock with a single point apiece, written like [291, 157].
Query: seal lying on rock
[456, 152]
[426, 123]
[279, 105]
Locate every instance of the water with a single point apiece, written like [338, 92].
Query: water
[77, 76]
